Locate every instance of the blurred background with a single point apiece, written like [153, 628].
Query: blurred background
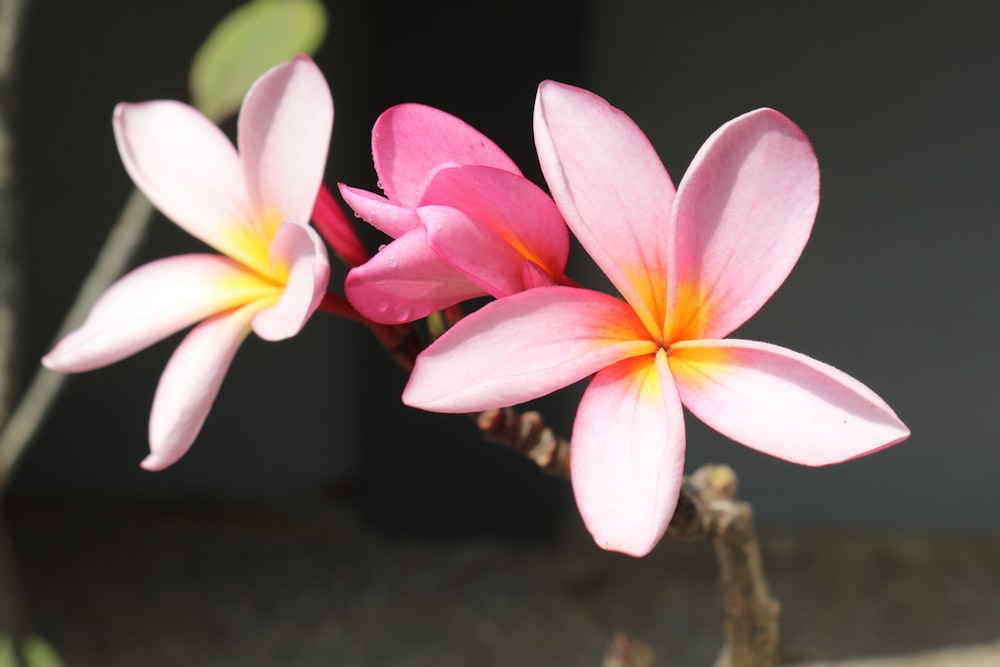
[897, 285]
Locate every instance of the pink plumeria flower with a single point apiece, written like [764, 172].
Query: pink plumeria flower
[693, 265]
[252, 206]
[466, 223]
[332, 224]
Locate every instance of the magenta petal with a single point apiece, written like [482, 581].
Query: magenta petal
[406, 281]
[379, 212]
[302, 251]
[522, 347]
[473, 249]
[743, 213]
[627, 459]
[781, 402]
[490, 222]
[147, 305]
[410, 140]
[191, 382]
[612, 189]
[336, 229]
[284, 135]
[533, 276]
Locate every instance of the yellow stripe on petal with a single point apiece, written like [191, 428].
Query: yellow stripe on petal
[645, 377]
[696, 365]
[691, 314]
[249, 287]
[651, 287]
[250, 245]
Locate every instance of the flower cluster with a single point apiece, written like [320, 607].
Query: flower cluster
[691, 264]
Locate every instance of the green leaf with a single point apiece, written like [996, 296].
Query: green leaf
[37, 653]
[247, 42]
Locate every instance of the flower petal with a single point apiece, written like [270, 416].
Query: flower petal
[627, 457]
[336, 229]
[612, 189]
[490, 222]
[379, 212]
[190, 383]
[188, 169]
[473, 249]
[522, 347]
[781, 402]
[409, 140]
[743, 213]
[302, 251]
[405, 281]
[152, 302]
[533, 276]
[284, 135]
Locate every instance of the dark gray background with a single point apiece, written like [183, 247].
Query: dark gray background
[897, 286]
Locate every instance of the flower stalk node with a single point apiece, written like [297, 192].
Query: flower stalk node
[527, 434]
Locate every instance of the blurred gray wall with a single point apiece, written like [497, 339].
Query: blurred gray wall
[897, 285]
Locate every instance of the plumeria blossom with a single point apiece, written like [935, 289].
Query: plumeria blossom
[692, 265]
[466, 223]
[253, 206]
[332, 224]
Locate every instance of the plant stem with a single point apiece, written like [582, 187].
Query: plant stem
[13, 612]
[126, 235]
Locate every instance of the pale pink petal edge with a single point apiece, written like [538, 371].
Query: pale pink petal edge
[783, 403]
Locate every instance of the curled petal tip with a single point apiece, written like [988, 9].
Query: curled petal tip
[155, 463]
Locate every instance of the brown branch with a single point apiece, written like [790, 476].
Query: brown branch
[751, 622]
[527, 434]
[707, 510]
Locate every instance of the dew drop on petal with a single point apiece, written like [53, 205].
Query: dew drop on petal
[379, 185]
[381, 247]
[392, 263]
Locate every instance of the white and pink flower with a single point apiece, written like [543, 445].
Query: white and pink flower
[253, 206]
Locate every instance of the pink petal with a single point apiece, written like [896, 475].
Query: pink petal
[533, 276]
[187, 168]
[284, 135]
[490, 222]
[409, 140]
[302, 251]
[522, 347]
[152, 302]
[612, 189]
[336, 229]
[627, 460]
[191, 382]
[406, 281]
[379, 212]
[781, 402]
[743, 213]
[473, 249]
